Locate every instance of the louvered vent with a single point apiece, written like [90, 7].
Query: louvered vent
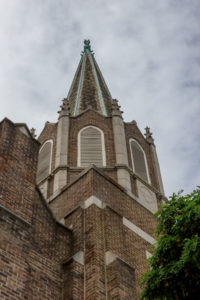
[44, 161]
[139, 160]
[91, 147]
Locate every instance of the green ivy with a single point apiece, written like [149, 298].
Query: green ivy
[175, 264]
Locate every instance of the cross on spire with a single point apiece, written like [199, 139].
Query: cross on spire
[87, 47]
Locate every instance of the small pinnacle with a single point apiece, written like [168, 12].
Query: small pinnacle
[32, 131]
[133, 122]
[148, 135]
[116, 108]
[65, 108]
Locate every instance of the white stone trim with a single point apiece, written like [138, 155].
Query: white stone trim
[93, 200]
[157, 166]
[102, 145]
[109, 257]
[147, 196]
[24, 130]
[70, 226]
[43, 188]
[62, 221]
[145, 159]
[62, 138]
[138, 231]
[120, 140]
[79, 257]
[148, 254]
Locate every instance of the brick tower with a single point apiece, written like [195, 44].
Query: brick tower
[101, 179]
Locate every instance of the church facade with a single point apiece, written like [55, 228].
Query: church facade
[76, 205]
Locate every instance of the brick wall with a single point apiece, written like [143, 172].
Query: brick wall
[18, 164]
[128, 246]
[121, 281]
[73, 281]
[32, 244]
[93, 182]
[31, 256]
[71, 197]
[97, 231]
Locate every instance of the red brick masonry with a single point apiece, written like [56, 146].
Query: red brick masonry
[38, 254]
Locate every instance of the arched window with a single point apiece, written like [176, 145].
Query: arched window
[44, 160]
[139, 160]
[91, 149]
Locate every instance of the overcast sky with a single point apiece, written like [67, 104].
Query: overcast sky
[147, 50]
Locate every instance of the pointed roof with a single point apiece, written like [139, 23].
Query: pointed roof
[88, 89]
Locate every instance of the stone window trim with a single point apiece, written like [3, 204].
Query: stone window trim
[102, 145]
[145, 159]
[50, 159]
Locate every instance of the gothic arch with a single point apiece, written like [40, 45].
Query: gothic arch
[139, 161]
[44, 160]
[91, 147]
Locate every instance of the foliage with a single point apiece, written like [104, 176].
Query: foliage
[175, 265]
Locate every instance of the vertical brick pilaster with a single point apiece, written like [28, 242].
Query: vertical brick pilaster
[95, 287]
[73, 281]
[121, 281]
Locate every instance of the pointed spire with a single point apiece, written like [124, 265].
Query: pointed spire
[88, 89]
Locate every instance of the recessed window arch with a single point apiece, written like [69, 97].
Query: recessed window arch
[139, 160]
[44, 160]
[91, 147]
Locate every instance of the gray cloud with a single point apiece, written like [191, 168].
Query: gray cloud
[147, 50]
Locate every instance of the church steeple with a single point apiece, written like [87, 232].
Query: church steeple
[88, 89]
[101, 179]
